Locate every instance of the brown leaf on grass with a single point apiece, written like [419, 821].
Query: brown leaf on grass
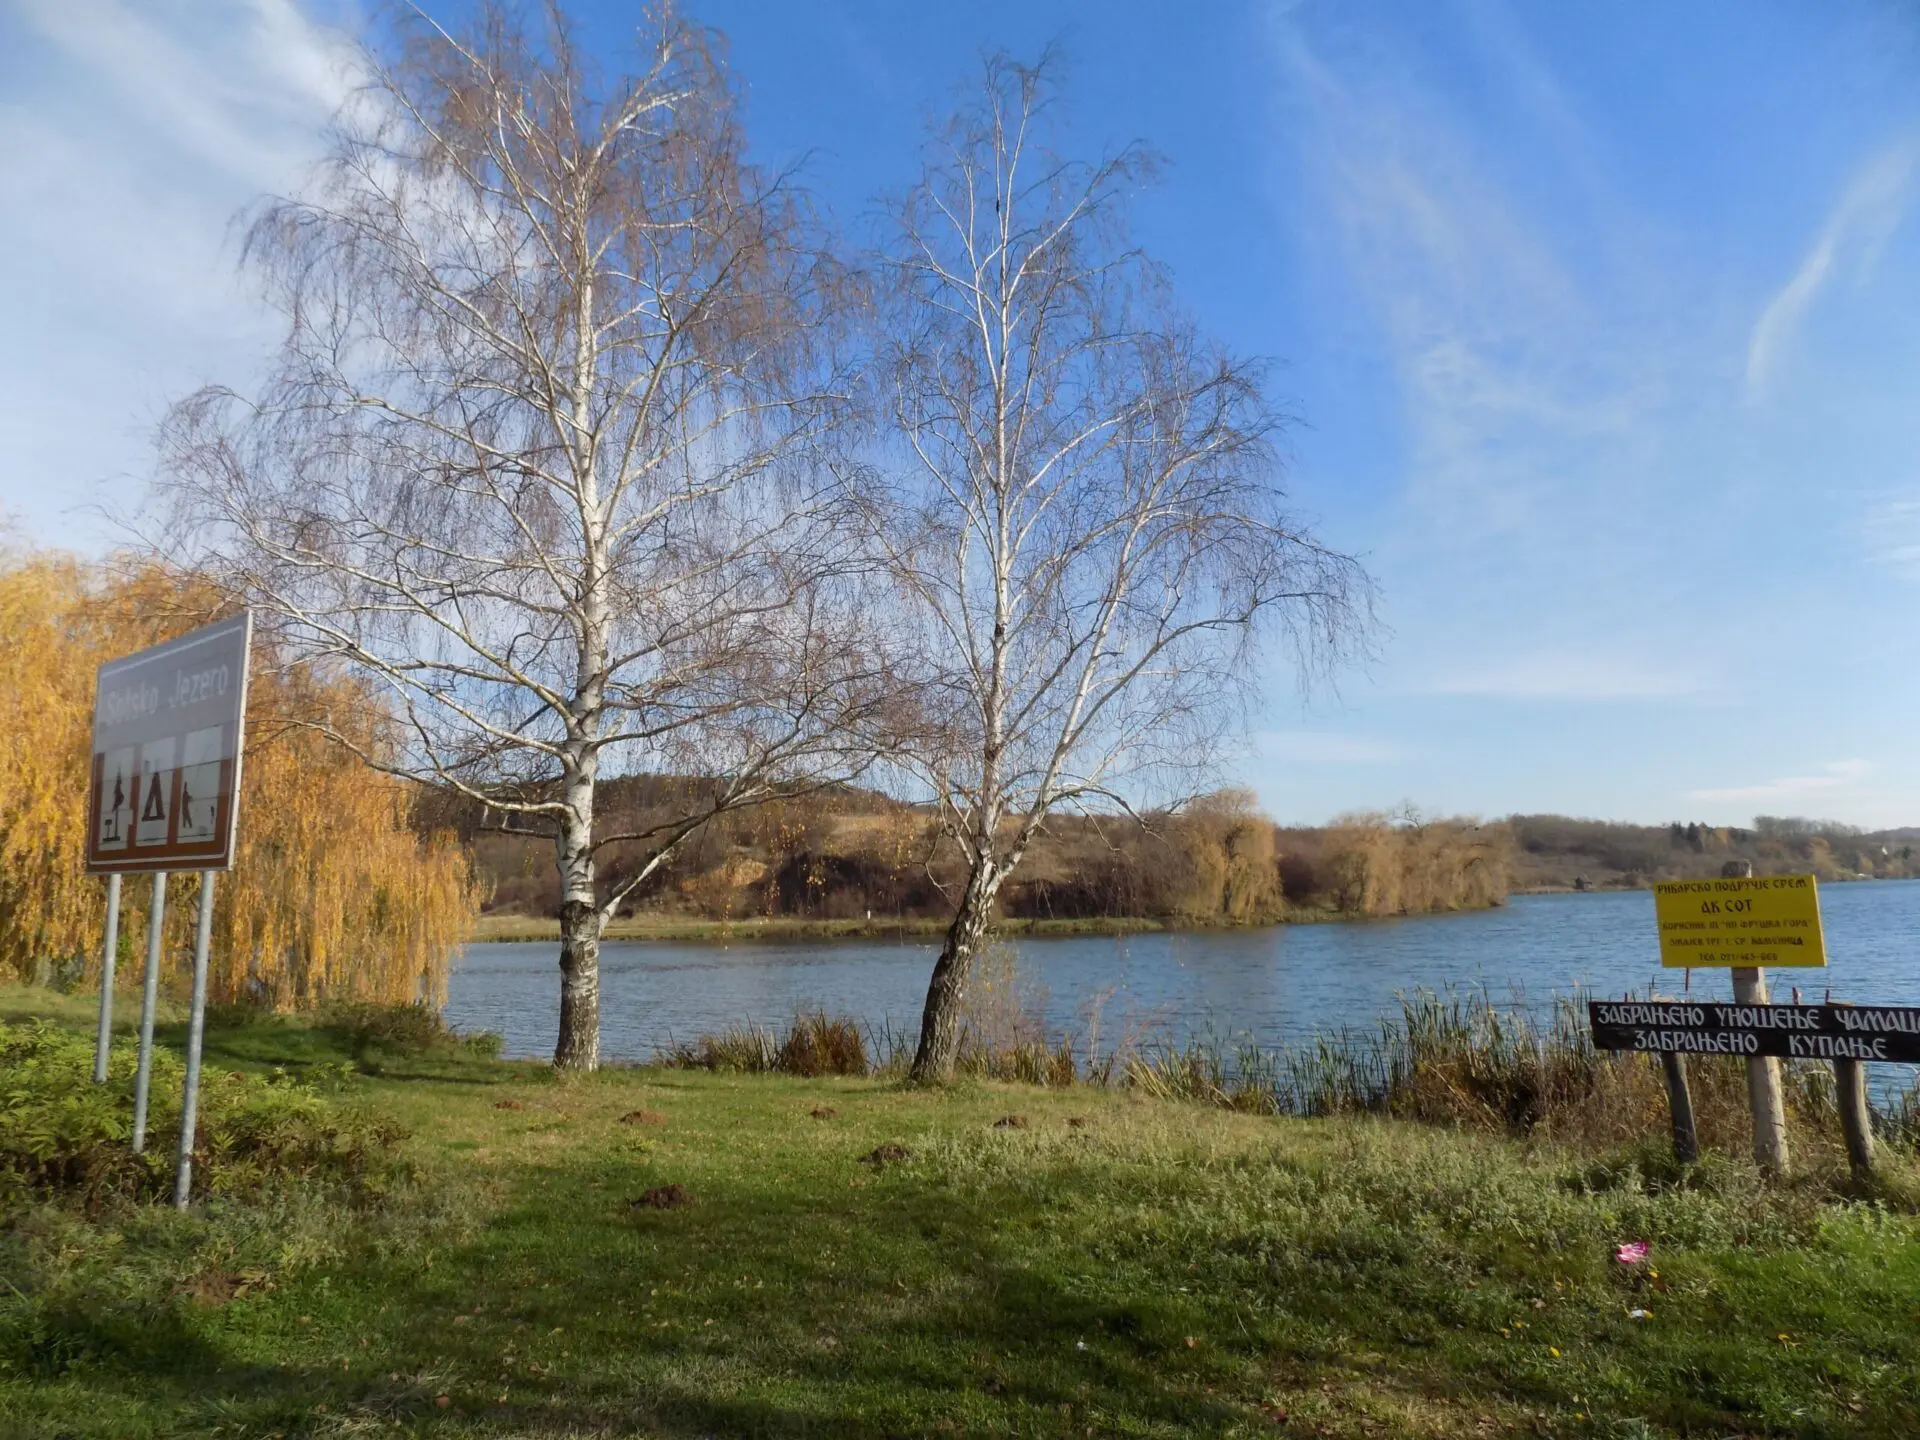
[220, 1287]
[891, 1153]
[643, 1117]
[664, 1197]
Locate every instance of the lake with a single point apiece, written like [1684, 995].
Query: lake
[1275, 985]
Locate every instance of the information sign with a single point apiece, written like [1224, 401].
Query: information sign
[1791, 1032]
[1748, 921]
[167, 732]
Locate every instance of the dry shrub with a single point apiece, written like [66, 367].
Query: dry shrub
[819, 1044]
[1458, 1060]
[1003, 1037]
[332, 894]
[815, 1044]
[1628, 1104]
[748, 1049]
[1003, 1031]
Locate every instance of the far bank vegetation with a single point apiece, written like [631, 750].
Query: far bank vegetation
[851, 854]
[1555, 852]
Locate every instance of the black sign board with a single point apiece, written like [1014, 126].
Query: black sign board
[1793, 1032]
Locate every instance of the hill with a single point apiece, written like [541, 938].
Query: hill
[848, 854]
[1557, 852]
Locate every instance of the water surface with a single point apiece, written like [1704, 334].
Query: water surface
[1274, 985]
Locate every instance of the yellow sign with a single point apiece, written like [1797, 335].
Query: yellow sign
[1755, 920]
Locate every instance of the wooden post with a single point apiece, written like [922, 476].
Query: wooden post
[1856, 1116]
[1763, 1084]
[1686, 1141]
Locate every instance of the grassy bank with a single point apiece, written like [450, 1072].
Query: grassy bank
[848, 1257]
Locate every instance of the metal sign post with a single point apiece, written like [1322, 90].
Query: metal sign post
[196, 1029]
[149, 995]
[105, 1038]
[168, 728]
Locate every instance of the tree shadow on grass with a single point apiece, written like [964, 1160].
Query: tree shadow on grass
[272, 1042]
[845, 1352]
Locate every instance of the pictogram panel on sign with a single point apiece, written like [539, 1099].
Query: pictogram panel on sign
[168, 726]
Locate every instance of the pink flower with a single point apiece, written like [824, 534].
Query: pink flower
[1631, 1253]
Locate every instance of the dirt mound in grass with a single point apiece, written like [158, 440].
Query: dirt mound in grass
[665, 1197]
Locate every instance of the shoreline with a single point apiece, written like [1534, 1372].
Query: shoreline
[508, 929]
[514, 929]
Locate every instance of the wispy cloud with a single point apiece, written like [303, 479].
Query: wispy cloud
[1835, 777]
[1571, 675]
[239, 87]
[1325, 747]
[1571, 297]
[1891, 533]
[133, 134]
[1536, 349]
[1861, 222]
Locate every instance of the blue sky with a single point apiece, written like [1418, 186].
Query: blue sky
[1602, 323]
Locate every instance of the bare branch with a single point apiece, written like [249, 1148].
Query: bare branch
[547, 452]
[1087, 531]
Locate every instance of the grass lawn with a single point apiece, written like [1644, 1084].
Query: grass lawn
[1108, 1266]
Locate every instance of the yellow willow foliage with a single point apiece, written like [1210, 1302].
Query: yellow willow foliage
[332, 895]
[1230, 860]
[1404, 864]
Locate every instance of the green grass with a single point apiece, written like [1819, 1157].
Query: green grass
[1158, 1268]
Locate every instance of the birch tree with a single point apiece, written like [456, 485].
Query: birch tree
[1086, 517]
[543, 453]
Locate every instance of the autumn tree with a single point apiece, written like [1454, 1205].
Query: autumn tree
[544, 453]
[333, 895]
[1086, 522]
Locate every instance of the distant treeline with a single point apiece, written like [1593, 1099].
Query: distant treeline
[850, 854]
[1555, 851]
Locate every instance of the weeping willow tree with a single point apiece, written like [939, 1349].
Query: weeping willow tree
[1407, 864]
[332, 894]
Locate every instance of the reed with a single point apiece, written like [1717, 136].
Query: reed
[1458, 1059]
[1454, 1059]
